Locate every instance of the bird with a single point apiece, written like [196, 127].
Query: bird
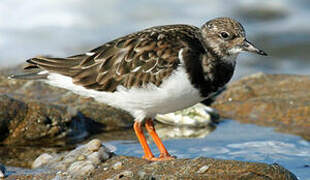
[157, 70]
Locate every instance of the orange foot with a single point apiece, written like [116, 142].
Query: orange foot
[160, 158]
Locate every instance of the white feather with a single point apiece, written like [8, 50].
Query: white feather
[235, 50]
[42, 72]
[89, 53]
[136, 69]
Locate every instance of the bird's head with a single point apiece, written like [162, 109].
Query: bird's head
[226, 37]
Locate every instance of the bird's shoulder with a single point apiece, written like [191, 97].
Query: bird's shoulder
[138, 59]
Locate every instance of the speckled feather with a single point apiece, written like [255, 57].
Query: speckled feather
[135, 60]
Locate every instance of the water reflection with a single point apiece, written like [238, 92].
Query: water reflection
[175, 132]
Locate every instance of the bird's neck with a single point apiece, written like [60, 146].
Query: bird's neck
[217, 71]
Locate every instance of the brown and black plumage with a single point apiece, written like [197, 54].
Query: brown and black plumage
[135, 60]
[157, 70]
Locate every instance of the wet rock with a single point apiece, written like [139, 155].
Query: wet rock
[281, 101]
[26, 122]
[70, 166]
[24, 156]
[32, 112]
[188, 168]
[198, 168]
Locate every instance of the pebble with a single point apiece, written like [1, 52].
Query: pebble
[141, 174]
[105, 153]
[94, 145]
[94, 157]
[117, 165]
[127, 173]
[81, 168]
[41, 160]
[81, 157]
[203, 169]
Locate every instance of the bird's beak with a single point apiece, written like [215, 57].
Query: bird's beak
[247, 46]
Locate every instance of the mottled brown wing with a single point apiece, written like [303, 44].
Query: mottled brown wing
[135, 60]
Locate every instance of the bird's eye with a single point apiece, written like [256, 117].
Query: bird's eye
[224, 35]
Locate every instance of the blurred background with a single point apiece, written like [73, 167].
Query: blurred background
[66, 27]
[280, 27]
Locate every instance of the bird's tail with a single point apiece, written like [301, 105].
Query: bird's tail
[29, 76]
[38, 67]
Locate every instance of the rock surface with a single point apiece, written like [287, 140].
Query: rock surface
[199, 168]
[78, 164]
[282, 101]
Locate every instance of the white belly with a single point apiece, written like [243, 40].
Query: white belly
[175, 93]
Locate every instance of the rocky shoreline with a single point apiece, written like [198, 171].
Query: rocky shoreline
[94, 161]
[280, 101]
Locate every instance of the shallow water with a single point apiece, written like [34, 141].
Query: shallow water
[281, 28]
[234, 141]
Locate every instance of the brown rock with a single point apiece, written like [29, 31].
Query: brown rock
[137, 168]
[282, 101]
[32, 112]
[107, 165]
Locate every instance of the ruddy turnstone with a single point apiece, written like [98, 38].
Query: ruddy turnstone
[158, 70]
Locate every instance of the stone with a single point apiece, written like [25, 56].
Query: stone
[94, 158]
[81, 168]
[280, 101]
[94, 145]
[203, 169]
[81, 157]
[127, 173]
[41, 160]
[117, 165]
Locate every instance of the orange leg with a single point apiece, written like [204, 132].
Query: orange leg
[164, 155]
[139, 132]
